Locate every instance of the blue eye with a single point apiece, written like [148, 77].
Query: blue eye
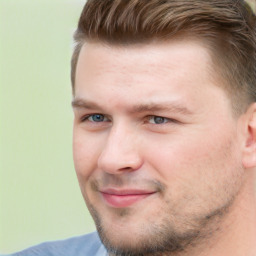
[158, 120]
[97, 118]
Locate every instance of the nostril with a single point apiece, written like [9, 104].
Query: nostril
[119, 164]
[126, 169]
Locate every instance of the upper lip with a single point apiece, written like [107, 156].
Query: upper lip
[123, 192]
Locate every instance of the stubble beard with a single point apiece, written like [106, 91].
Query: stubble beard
[164, 237]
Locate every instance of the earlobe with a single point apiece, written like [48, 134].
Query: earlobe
[249, 154]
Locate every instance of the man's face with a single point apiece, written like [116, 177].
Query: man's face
[156, 147]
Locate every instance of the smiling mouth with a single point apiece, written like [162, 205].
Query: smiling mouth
[124, 198]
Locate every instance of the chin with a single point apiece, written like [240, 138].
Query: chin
[124, 241]
[122, 234]
[130, 242]
[126, 236]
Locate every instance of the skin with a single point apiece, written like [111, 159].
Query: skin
[197, 160]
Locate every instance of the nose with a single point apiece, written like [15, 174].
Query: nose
[120, 152]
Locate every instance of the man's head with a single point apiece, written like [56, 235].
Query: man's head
[160, 157]
[226, 27]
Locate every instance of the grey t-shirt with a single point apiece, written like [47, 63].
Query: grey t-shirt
[87, 245]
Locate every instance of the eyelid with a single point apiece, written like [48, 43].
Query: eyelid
[166, 120]
[86, 118]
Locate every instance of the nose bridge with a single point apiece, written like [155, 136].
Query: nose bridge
[120, 151]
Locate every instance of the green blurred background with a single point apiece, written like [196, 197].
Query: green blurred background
[39, 195]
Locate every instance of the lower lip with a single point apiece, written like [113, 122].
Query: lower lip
[122, 201]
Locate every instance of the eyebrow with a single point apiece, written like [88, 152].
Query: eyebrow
[163, 106]
[147, 107]
[80, 103]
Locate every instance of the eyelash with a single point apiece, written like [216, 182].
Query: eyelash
[159, 118]
[148, 118]
[86, 118]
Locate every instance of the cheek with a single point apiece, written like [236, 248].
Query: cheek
[195, 161]
[85, 153]
[199, 177]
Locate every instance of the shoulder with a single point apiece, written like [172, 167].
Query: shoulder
[89, 244]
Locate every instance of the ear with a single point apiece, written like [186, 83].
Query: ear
[249, 123]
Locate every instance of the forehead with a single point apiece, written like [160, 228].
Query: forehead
[159, 57]
[176, 70]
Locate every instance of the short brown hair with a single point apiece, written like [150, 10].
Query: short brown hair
[227, 25]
